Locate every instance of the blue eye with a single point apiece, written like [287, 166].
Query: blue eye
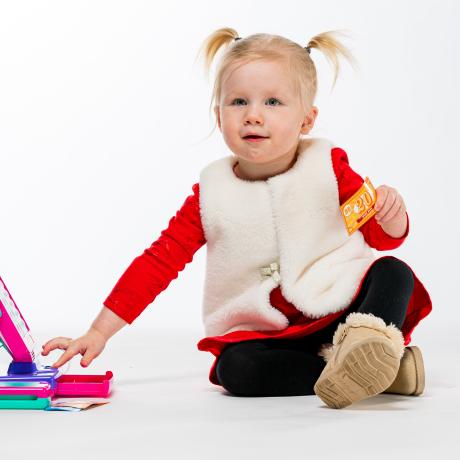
[274, 99]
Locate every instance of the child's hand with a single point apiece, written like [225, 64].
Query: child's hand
[389, 204]
[391, 211]
[89, 346]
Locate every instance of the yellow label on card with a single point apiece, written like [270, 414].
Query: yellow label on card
[359, 208]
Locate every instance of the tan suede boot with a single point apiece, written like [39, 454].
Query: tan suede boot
[410, 380]
[363, 360]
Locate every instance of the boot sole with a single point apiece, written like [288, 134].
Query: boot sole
[367, 370]
[419, 370]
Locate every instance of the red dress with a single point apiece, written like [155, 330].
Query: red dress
[151, 272]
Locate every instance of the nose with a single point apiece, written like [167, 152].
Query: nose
[253, 116]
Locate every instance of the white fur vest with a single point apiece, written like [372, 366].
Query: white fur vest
[287, 231]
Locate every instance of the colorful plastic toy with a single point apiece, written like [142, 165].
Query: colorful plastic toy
[28, 384]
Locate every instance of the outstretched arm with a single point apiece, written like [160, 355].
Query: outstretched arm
[148, 275]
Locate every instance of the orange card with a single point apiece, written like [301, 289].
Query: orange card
[359, 208]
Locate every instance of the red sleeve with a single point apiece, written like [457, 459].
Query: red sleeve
[153, 270]
[349, 182]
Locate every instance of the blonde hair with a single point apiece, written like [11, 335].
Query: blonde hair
[264, 46]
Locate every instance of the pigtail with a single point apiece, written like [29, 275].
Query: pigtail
[332, 48]
[214, 42]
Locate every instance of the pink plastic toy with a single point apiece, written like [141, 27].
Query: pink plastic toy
[29, 385]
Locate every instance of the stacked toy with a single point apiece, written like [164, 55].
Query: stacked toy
[28, 384]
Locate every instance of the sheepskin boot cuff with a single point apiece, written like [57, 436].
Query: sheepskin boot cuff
[370, 321]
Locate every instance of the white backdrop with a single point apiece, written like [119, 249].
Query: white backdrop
[103, 125]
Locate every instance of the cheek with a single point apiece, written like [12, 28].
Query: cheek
[228, 123]
[285, 122]
[228, 138]
[230, 133]
[286, 130]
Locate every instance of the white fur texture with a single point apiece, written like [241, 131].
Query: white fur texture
[369, 320]
[293, 219]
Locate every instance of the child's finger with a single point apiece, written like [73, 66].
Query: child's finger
[389, 202]
[392, 213]
[88, 357]
[381, 197]
[56, 339]
[59, 342]
[66, 356]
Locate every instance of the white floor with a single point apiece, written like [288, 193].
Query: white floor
[164, 407]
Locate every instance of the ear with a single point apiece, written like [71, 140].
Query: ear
[309, 120]
[217, 113]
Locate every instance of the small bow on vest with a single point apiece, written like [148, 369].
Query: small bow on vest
[271, 270]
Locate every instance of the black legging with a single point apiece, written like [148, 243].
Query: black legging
[290, 367]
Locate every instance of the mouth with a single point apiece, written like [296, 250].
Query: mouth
[254, 138]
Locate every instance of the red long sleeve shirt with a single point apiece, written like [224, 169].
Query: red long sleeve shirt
[151, 272]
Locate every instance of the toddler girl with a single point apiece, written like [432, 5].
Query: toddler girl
[293, 305]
